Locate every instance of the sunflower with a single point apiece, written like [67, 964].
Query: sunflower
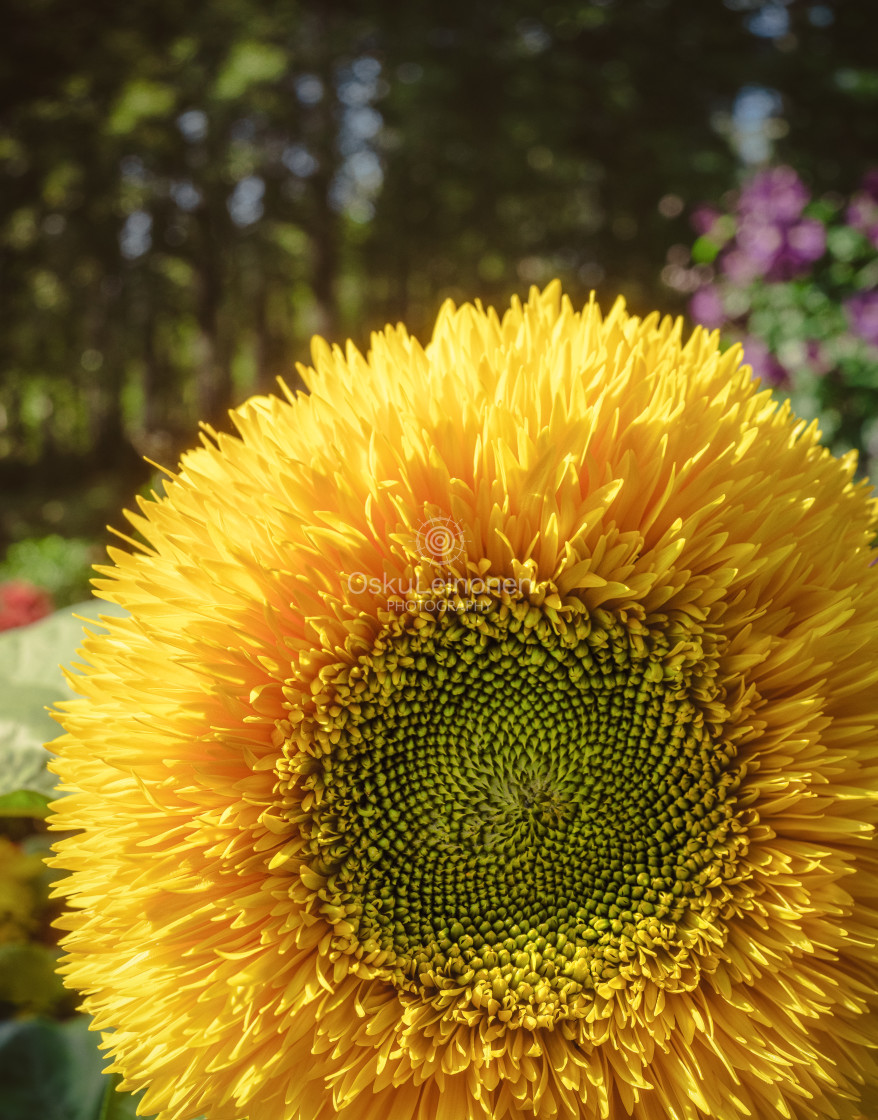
[492, 735]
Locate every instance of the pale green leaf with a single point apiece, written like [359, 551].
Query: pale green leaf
[31, 680]
[24, 803]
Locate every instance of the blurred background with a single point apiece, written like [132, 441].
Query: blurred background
[190, 191]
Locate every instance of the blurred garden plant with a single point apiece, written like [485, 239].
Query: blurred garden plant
[60, 567]
[50, 1064]
[795, 279]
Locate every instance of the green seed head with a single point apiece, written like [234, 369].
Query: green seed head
[518, 803]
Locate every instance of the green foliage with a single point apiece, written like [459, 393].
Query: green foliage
[116, 1105]
[60, 565]
[49, 1070]
[846, 244]
[248, 63]
[140, 100]
[28, 980]
[23, 802]
[29, 984]
[705, 250]
[32, 680]
[53, 1071]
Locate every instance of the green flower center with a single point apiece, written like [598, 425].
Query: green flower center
[511, 807]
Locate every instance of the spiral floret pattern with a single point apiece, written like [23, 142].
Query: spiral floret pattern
[516, 807]
[492, 734]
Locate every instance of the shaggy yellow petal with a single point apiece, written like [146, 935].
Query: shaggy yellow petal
[492, 735]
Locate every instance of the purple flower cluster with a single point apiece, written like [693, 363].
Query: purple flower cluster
[773, 240]
[763, 363]
[706, 307]
[861, 311]
[793, 334]
[862, 212]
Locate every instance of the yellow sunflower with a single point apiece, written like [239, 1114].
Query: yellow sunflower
[492, 736]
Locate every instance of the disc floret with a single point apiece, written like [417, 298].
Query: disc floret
[513, 809]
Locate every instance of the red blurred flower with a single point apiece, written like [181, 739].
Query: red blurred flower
[21, 603]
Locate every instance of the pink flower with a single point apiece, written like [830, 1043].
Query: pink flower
[706, 307]
[764, 364]
[819, 362]
[774, 241]
[806, 242]
[862, 214]
[776, 251]
[775, 195]
[862, 316]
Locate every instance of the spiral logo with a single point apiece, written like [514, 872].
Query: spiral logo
[441, 539]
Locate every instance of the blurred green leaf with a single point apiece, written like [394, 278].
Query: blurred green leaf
[31, 680]
[60, 183]
[861, 374]
[50, 1071]
[292, 239]
[53, 1071]
[705, 250]
[140, 99]
[860, 82]
[60, 565]
[116, 1105]
[867, 277]
[28, 980]
[24, 803]
[823, 209]
[248, 63]
[845, 243]
[841, 274]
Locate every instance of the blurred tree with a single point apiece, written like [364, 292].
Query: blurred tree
[190, 192]
[518, 147]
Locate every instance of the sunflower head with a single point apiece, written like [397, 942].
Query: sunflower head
[492, 734]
